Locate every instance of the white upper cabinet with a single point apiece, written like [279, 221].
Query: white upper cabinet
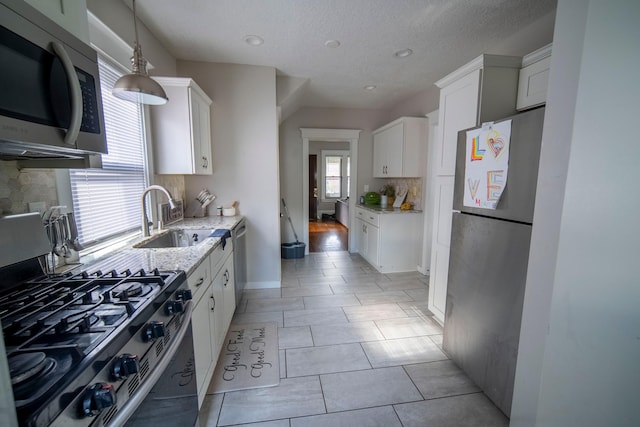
[399, 147]
[181, 129]
[534, 78]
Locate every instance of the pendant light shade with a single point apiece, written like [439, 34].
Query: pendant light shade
[138, 87]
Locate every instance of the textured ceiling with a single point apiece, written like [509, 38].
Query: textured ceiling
[443, 34]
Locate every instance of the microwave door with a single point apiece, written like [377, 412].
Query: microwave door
[51, 92]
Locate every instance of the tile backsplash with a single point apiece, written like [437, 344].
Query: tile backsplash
[20, 187]
[408, 184]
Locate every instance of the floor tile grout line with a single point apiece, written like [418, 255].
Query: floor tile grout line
[413, 382]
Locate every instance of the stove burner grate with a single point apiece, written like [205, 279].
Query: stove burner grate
[28, 366]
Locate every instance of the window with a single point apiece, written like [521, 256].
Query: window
[337, 174]
[106, 201]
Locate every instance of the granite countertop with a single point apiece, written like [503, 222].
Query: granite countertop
[181, 258]
[379, 209]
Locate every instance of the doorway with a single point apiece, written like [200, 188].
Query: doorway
[311, 134]
[313, 188]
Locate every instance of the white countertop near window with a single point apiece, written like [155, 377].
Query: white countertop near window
[183, 258]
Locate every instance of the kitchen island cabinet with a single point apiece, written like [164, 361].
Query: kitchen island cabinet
[398, 148]
[181, 129]
[389, 239]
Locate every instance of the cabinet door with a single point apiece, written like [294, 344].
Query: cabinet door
[373, 239]
[458, 110]
[202, 344]
[217, 311]
[379, 155]
[532, 84]
[360, 237]
[440, 246]
[201, 133]
[229, 292]
[388, 151]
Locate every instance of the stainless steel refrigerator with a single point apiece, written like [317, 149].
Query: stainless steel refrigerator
[488, 266]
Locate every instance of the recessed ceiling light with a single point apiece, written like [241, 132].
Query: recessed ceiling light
[403, 53]
[253, 40]
[370, 87]
[332, 43]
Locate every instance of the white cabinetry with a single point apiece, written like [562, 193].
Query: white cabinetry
[398, 148]
[213, 291]
[389, 241]
[205, 349]
[483, 90]
[181, 129]
[534, 78]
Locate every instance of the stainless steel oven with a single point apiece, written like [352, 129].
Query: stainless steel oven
[108, 346]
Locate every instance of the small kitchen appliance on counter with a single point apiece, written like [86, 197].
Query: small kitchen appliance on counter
[93, 347]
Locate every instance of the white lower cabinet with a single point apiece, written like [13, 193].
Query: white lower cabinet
[213, 287]
[390, 242]
[204, 347]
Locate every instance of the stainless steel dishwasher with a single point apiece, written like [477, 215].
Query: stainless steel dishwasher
[239, 238]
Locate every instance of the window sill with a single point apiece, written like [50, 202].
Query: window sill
[105, 248]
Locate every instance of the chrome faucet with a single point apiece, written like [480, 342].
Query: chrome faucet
[145, 220]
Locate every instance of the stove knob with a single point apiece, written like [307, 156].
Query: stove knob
[152, 331]
[173, 307]
[98, 397]
[125, 365]
[184, 294]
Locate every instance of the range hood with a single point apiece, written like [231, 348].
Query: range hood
[38, 156]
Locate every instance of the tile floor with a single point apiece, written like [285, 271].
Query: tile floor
[357, 348]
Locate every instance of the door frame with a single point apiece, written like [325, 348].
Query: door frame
[331, 135]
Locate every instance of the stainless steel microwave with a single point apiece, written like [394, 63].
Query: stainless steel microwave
[50, 100]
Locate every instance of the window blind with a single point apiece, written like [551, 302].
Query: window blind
[106, 202]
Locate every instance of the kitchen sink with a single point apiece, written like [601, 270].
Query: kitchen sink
[179, 238]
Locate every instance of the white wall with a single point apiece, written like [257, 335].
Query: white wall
[580, 338]
[291, 153]
[244, 134]
[418, 105]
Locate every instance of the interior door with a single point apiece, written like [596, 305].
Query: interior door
[313, 187]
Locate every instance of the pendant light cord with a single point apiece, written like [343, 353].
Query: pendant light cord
[135, 22]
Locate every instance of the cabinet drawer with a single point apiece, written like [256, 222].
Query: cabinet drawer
[219, 256]
[200, 279]
[368, 217]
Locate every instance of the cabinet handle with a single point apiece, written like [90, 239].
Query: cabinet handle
[371, 218]
[205, 164]
[226, 277]
[214, 303]
[200, 282]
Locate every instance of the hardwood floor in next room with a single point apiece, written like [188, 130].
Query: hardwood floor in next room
[357, 348]
[328, 235]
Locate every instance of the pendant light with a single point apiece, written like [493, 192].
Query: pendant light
[138, 86]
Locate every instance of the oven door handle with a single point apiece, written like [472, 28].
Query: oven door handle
[132, 404]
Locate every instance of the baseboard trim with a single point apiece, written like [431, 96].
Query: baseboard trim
[262, 285]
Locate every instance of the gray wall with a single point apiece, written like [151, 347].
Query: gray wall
[244, 139]
[580, 345]
[291, 179]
